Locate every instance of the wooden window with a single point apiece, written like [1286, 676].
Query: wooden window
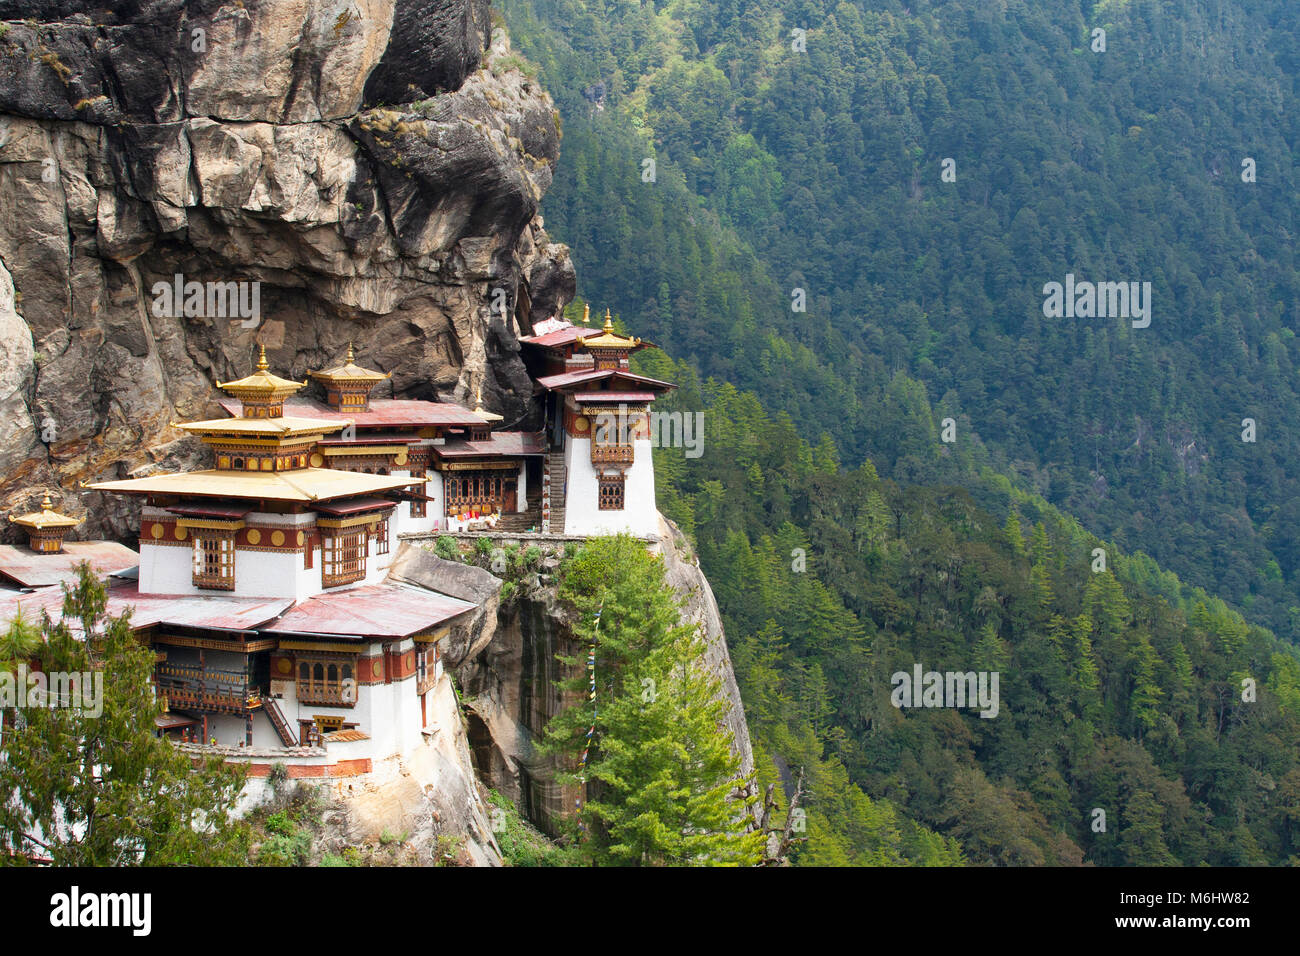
[214, 561]
[426, 668]
[343, 557]
[327, 680]
[420, 504]
[611, 492]
[381, 536]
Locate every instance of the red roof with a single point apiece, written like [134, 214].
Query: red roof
[560, 337]
[226, 612]
[500, 444]
[570, 379]
[33, 570]
[373, 611]
[384, 412]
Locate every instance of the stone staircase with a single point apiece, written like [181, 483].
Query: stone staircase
[555, 461]
[528, 519]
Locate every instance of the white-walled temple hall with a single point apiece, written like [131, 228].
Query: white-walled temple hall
[598, 475]
[262, 582]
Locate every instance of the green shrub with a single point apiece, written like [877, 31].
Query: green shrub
[446, 548]
[284, 850]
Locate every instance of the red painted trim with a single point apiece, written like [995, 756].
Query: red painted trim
[344, 768]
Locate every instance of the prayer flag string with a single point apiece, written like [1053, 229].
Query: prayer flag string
[591, 696]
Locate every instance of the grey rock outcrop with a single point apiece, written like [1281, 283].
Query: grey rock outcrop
[377, 171]
[506, 665]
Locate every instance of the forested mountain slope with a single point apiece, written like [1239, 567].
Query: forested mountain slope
[775, 170]
[1140, 720]
[822, 170]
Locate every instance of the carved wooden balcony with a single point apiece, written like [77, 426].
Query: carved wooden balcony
[611, 454]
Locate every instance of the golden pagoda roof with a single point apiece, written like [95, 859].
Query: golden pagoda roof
[283, 427]
[262, 384]
[482, 412]
[608, 338]
[349, 371]
[303, 484]
[45, 518]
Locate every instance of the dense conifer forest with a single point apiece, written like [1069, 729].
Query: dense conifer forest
[726, 163]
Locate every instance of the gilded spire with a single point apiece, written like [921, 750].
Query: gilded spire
[586, 314]
[45, 528]
[261, 394]
[609, 324]
[479, 410]
[348, 386]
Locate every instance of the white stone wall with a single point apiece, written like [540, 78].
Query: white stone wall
[169, 569]
[433, 519]
[389, 713]
[582, 514]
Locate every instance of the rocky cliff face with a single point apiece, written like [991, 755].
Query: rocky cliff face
[505, 664]
[376, 168]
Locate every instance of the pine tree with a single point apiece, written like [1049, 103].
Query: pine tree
[1144, 699]
[664, 785]
[100, 789]
[1012, 530]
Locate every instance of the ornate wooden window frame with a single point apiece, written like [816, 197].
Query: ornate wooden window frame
[213, 552]
[420, 500]
[611, 492]
[320, 679]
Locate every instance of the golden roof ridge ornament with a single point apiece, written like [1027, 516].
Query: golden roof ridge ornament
[47, 517]
[480, 411]
[263, 378]
[261, 394]
[349, 371]
[608, 338]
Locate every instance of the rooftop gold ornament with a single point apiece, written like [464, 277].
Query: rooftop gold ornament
[261, 394]
[45, 528]
[480, 411]
[347, 386]
[609, 339]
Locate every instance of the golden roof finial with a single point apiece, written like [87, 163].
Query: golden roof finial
[478, 397]
[586, 313]
[609, 324]
[47, 517]
[350, 356]
[262, 365]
